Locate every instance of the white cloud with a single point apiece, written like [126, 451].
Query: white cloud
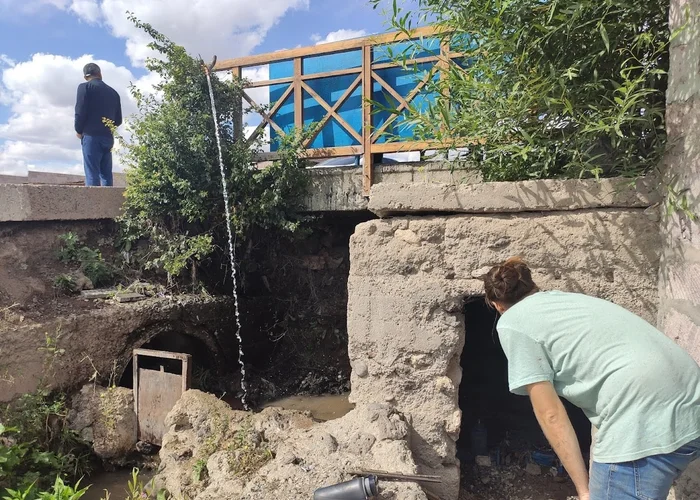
[227, 28]
[5, 60]
[87, 10]
[40, 94]
[336, 36]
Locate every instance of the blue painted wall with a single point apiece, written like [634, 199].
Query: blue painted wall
[332, 88]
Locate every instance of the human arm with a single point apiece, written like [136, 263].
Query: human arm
[118, 115]
[80, 109]
[555, 423]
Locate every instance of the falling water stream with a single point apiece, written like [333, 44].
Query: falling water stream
[234, 275]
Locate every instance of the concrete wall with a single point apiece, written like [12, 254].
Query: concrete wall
[24, 202]
[34, 177]
[679, 283]
[340, 188]
[101, 341]
[409, 275]
[337, 189]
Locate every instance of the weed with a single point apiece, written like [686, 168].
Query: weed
[248, 451]
[199, 470]
[59, 491]
[91, 262]
[65, 283]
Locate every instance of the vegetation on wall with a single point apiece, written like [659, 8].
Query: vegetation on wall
[545, 88]
[174, 195]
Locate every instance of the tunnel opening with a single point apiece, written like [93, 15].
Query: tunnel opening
[204, 371]
[496, 422]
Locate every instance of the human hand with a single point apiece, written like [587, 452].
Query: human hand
[584, 496]
[79, 136]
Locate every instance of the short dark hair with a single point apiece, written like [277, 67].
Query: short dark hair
[92, 69]
[509, 282]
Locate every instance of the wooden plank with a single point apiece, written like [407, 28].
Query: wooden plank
[318, 153]
[298, 96]
[419, 60]
[272, 112]
[310, 76]
[238, 112]
[135, 371]
[332, 112]
[327, 48]
[409, 98]
[267, 83]
[367, 170]
[160, 354]
[329, 74]
[399, 98]
[267, 117]
[401, 147]
[336, 106]
[158, 393]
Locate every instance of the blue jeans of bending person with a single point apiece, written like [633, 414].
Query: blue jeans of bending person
[649, 478]
[97, 159]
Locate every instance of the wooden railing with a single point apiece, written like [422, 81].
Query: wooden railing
[369, 140]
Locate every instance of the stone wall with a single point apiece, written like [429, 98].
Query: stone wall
[679, 283]
[409, 276]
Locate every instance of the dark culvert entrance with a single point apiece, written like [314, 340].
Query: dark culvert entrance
[494, 421]
[205, 375]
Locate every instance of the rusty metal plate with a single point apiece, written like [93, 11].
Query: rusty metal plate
[156, 392]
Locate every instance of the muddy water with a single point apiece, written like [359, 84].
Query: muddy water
[115, 482]
[328, 407]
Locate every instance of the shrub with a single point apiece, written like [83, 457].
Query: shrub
[546, 88]
[174, 195]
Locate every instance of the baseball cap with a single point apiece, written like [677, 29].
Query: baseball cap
[91, 69]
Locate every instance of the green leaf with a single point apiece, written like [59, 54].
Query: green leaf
[604, 36]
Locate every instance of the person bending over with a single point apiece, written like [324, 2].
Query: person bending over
[95, 103]
[636, 386]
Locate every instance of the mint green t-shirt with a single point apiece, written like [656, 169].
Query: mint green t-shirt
[640, 389]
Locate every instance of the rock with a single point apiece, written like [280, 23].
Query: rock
[303, 455]
[407, 236]
[533, 469]
[106, 418]
[483, 461]
[81, 281]
[360, 369]
[360, 443]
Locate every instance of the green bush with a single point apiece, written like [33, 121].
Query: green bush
[546, 88]
[90, 260]
[36, 445]
[174, 195]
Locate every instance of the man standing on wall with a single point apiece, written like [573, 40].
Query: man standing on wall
[96, 105]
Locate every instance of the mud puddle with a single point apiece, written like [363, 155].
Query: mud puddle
[324, 408]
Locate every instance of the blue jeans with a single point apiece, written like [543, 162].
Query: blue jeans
[97, 158]
[649, 478]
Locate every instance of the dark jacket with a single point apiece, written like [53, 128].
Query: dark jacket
[96, 100]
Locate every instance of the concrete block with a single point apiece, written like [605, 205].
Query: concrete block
[97, 294]
[684, 331]
[128, 297]
[498, 197]
[23, 202]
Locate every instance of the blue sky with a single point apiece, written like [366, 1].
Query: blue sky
[45, 43]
